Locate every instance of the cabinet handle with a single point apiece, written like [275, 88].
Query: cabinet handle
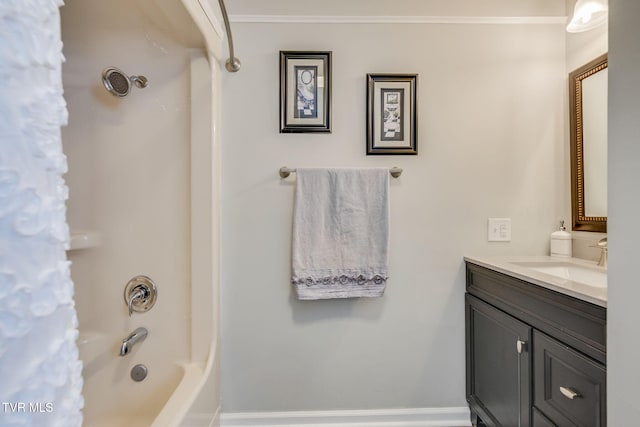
[569, 393]
[521, 346]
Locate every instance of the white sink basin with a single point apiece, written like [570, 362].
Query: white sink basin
[592, 276]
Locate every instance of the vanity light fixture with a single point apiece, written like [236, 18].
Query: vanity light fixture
[588, 14]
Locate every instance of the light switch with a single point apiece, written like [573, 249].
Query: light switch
[499, 230]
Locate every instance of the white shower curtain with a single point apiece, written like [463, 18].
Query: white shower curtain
[40, 370]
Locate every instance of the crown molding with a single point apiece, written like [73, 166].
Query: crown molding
[469, 20]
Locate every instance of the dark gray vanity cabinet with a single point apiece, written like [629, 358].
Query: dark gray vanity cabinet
[534, 357]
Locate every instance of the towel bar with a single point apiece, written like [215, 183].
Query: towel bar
[285, 171]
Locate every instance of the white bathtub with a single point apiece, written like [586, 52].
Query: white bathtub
[143, 177]
[167, 396]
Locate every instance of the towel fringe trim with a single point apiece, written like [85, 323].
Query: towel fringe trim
[344, 280]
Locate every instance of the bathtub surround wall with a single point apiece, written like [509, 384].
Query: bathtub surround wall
[39, 365]
[491, 114]
[143, 174]
[116, 156]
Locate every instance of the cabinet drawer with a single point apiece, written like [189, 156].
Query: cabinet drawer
[569, 388]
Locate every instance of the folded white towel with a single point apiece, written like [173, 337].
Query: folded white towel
[340, 233]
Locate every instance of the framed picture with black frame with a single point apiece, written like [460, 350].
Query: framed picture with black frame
[305, 92]
[391, 114]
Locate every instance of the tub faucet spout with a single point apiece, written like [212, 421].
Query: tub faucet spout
[138, 335]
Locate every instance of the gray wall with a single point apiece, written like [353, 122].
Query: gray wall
[624, 204]
[492, 105]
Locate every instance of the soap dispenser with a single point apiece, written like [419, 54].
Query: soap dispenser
[561, 242]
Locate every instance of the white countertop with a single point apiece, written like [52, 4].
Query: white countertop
[509, 266]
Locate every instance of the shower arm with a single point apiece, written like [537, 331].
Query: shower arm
[233, 64]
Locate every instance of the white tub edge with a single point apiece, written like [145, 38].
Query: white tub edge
[205, 162]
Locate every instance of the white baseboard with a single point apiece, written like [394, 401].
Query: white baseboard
[415, 417]
[201, 420]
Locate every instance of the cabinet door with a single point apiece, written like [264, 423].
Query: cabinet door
[498, 365]
[540, 420]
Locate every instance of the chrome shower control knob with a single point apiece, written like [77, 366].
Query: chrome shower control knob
[140, 294]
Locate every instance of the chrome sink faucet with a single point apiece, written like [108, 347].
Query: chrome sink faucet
[138, 335]
[604, 258]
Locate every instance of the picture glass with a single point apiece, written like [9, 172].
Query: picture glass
[392, 114]
[393, 127]
[305, 91]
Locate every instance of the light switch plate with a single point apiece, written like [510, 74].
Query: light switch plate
[499, 230]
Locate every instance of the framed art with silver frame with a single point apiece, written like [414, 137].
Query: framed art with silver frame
[305, 92]
[391, 114]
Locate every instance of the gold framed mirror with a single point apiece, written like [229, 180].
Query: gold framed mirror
[588, 116]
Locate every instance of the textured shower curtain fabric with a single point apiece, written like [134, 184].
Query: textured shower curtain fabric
[340, 233]
[41, 381]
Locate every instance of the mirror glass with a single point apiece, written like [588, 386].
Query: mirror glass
[588, 96]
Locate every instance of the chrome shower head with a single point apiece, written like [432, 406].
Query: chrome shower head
[117, 83]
